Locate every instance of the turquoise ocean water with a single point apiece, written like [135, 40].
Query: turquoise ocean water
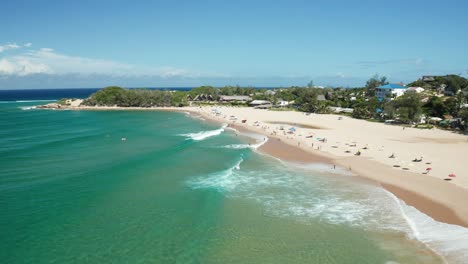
[180, 190]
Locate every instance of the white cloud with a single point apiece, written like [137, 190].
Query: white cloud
[22, 67]
[8, 46]
[46, 60]
[29, 44]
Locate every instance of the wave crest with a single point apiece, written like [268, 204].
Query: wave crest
[204, 134]
[245, 146]
[286, 193]
[222, 180]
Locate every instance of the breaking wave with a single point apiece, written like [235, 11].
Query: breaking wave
[286, 193]
[449, 241]
[223, 180]
[204, 134]
[245, 146]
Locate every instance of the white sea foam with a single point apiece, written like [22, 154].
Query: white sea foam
[204, 134]
[27, 107]
[284, 193]
[297, 196]
[222, 180]
[320, 168]
[237, 146]
[245, 146]
[449, 241]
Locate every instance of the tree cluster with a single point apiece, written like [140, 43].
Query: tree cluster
[116, 96]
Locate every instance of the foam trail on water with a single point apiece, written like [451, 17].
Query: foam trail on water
[245, 146]
[320, 168]
[204, 134]
[449, 241]
[222, 180]
[261, 143]
[334, 201]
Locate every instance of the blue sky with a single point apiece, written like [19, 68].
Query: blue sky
[261, 43]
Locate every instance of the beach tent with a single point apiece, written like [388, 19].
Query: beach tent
[292, 129]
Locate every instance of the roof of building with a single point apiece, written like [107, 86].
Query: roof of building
[392, 86]
[321, 97]
[235, 97]
[259, 102]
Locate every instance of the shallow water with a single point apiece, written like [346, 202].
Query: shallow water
[179, 190]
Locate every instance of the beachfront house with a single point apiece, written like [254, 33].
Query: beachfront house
[259, 102]
[390, 91]
[234, 98]
[203, 97]
[283, 103]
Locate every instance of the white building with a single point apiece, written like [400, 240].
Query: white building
[282, 103]
[259, 102]
[390, 90]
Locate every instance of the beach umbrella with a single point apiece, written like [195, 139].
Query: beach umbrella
[428, 169]
[292, 129]
[452, 175]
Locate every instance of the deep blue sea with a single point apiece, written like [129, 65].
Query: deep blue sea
[181, 190]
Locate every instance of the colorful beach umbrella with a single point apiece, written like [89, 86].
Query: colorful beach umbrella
[452, 175]
[428, 169]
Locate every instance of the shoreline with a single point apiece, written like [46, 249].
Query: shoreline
[412, 193]
[440, 200]
[289, 153]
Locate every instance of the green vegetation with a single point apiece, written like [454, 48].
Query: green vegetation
[359, 102]
[424, 126]
[373, 83]
[450, 83]
[116, 96]
[406, 107]
[62, 101]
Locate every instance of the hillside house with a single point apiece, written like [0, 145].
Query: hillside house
[389, 90]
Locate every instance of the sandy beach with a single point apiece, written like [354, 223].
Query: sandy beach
[386, 153]
[424, 168]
